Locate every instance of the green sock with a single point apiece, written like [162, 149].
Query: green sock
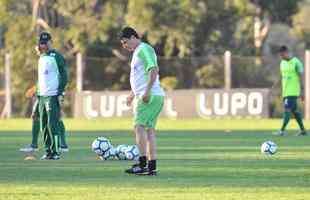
[62, 129]
[35, 132]
[56, 144]
[286, 119]
[298, 118]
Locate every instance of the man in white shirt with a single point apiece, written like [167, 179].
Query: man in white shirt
[145, 86]
[52, 80]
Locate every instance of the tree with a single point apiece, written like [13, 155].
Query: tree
[268, 12]
[301, 25]
[190, 36]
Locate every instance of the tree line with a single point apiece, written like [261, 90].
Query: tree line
[190, 36]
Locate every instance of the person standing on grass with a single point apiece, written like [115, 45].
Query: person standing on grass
[145, 86]
[292, 88]
[52, 80]
[33, 146]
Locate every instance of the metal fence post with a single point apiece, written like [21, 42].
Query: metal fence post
[7, 110]
[227, 64]
[79, 72]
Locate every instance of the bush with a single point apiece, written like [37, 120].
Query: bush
[169, 83]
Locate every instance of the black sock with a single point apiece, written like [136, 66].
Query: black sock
[152, 165]
[142, 161]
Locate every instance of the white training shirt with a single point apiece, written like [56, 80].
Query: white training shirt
[144, 58]
[48, 75]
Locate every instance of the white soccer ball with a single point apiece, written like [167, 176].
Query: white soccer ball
[120, 151]
[101, 145]
[269, 148]
[108, 155]
[132, 153]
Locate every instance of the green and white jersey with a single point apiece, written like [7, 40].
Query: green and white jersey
[290, 71]
[52, 74]
[143, 60]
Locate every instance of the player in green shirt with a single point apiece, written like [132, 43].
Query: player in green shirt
[291, 69]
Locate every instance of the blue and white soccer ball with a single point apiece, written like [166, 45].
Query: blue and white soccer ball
[132, 153]
[120, 151]
[269, 148]
[108, 155]
[101, 145]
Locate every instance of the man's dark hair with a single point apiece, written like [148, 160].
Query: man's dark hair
[127, 32]
[283, 49]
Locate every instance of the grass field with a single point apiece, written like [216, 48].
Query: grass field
[198, 159]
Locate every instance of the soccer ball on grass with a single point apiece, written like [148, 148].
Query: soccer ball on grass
[132, 153]
[101, 145]
[269, 148]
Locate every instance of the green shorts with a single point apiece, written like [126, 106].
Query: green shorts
[147, 113]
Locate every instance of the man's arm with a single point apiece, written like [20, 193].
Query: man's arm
[301, 79]
[152, 77]
[63, 74]
[130, 98]
[148, 56]
[300, 72]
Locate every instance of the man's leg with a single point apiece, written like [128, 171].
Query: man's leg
[298, 117]
[151, 144]
[35, 135]
[152, 150]
[140, 120]
[287, 104]
[35, 132]
[146, 118]
[53, 110]
[44, 131]
[141, 139]
[62, 129]
[286, 119]
[46, 136]
[154, 110]
[35, 129]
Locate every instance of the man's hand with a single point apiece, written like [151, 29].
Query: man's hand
[130, 99]
[34, 116]
[34, 112]
[31, 92]
[146, 97]
[36, 48]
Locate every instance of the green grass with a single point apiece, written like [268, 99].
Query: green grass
[208, 163]
[163, 124]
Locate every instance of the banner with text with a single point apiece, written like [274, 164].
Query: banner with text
[213, 103]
